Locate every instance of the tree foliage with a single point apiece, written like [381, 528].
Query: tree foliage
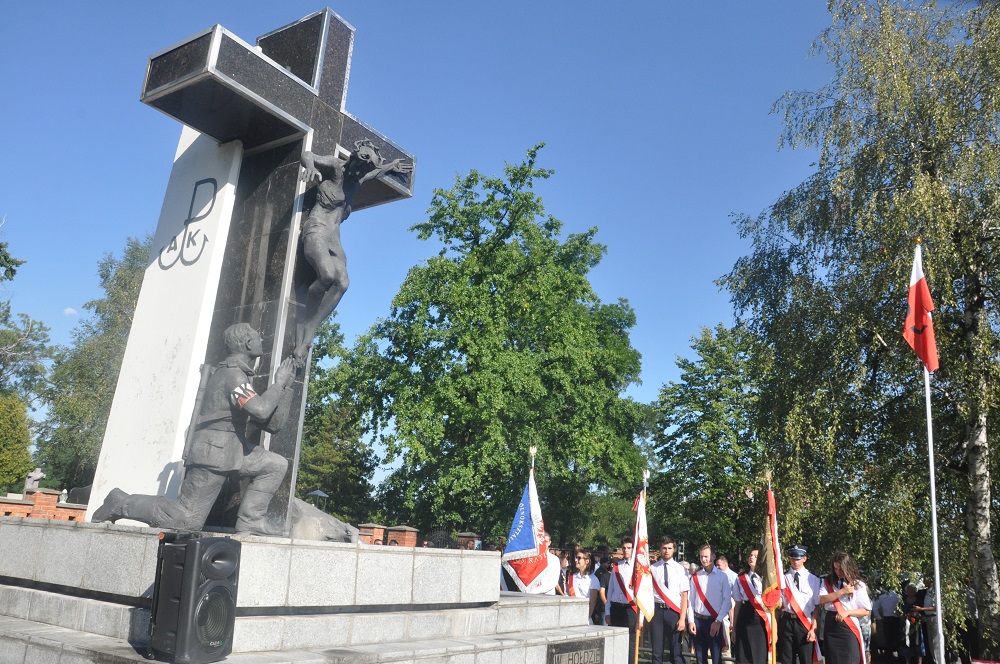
[497, 344]
[907, 137]
[82, 382]
[711, 487]
[23, 341]
[8, 263]
[15, 459]
[334, 457]
[24, 348]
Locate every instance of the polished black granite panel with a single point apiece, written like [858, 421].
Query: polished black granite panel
[327, 123]
[336, 61]
[185, 60]
[213, 108]
[253, 271]
[263, 79]
[296, 47]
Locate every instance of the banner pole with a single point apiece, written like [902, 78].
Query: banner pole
[939, 605]
[638, 637]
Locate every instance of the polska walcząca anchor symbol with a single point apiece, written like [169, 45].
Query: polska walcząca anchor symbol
[189, 238]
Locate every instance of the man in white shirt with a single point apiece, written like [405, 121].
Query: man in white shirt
[620, 611]
[670, 594]
[709, 601]
[796, 621]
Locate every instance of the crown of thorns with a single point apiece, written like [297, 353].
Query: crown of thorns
[365, 142]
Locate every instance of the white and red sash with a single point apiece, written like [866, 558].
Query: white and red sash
[662, 592]
[625, 588]
[757, 606]
[803, 618]
[851, 621]
[794, 603]
[570, 589]
[704, 600]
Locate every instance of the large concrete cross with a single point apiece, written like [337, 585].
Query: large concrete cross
[227, 244]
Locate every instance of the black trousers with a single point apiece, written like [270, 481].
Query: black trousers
[792, 645]
[623, 615]
[664, 636]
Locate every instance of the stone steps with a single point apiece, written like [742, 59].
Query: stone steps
[29, 642]
[513, 612]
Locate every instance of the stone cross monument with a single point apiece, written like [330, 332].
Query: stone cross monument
[227, 246]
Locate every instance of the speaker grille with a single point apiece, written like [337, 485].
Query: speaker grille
[213, 616]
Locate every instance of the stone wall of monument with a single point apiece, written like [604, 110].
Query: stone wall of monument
[42, 504]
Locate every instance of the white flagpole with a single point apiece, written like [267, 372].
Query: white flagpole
[939, 604]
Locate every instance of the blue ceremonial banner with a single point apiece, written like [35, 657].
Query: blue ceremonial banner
[526, 555]
[522, 536]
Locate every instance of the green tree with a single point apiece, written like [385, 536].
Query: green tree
[23, 341]
[82, 382]
[334, 458]
[495, 345]
[15, 459]
[8, 264]
[603, 518]
[711, 488]
[24, 348]
[907, 136]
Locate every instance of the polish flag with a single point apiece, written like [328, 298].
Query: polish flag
[919, 330]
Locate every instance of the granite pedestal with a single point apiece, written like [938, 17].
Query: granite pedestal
[80, 592]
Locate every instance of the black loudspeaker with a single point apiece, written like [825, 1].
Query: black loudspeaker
[194, 599]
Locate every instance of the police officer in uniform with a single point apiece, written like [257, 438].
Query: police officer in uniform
[795, 641]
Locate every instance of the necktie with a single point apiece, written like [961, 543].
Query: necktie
[666, 575]
[756, 586]
[797, 581]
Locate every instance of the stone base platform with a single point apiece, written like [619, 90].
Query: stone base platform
[27, 642]
[78, 592]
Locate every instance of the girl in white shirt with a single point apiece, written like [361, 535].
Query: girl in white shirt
[845, 598]
[583, 582]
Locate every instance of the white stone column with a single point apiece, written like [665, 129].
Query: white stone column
[159, 379]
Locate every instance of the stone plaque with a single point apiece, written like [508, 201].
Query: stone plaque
[590, 651]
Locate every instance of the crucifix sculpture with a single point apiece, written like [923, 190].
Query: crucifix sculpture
[281, 104]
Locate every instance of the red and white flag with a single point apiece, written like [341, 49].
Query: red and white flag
[918, 329]
[642, 577]
[772, 576]
[526, 555]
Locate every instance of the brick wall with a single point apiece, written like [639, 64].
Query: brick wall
[401, 535]
[371, 533]
[42, 504]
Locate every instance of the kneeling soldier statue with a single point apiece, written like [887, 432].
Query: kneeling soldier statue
[220, 446]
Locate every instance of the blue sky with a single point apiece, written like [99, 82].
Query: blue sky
[655, 115]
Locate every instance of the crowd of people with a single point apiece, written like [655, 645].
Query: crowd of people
[707, 610]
